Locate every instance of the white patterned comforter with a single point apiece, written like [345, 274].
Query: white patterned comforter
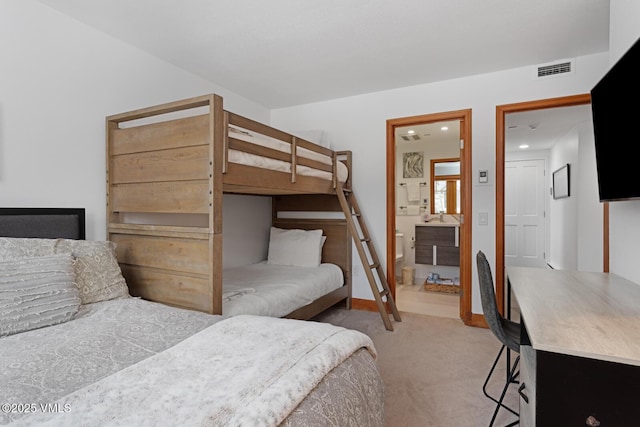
[215, 378]
[41, 366]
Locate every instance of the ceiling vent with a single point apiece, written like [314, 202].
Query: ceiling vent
[414, 137]
[554, 69]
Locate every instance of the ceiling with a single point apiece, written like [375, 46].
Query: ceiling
[431, 133]
[281, 53]
[539, 129]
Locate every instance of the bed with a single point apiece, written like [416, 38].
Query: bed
[168, 167]
[103, 357]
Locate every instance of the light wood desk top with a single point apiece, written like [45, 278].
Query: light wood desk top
[593, 315]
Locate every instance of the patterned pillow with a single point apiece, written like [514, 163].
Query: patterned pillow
[37, 292]
[98, 275]
[16, 248]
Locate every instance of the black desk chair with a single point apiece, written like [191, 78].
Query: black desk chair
[507, 332]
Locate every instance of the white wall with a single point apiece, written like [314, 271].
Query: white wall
[359, 124]
[624, 219]
[59, 80]
[563, 212]
[590, 210]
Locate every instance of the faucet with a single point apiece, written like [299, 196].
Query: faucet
[441, 215]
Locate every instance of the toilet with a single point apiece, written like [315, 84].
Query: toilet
[399, 251]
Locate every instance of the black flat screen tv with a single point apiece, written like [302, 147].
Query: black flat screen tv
[615, 113]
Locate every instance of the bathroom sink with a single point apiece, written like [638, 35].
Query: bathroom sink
[447, 221]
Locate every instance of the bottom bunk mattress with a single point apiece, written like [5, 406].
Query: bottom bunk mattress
[276, 290]
[133, 362]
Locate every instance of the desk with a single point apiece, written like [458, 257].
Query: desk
[580, 347]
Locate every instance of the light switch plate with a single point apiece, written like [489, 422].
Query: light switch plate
[483, 176]
[483, 218]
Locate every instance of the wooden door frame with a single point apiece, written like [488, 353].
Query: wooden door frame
[501, 112]
[464, 116]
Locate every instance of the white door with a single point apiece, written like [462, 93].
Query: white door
[524, 207]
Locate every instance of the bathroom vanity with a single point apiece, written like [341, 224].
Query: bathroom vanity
[438, 242]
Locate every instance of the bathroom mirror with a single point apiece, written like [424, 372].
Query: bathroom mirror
[445, 188]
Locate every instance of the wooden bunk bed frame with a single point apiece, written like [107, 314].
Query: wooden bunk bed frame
[167, 170]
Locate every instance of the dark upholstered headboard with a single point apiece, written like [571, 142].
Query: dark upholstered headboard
[46, 223]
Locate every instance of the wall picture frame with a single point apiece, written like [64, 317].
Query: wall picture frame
[562, 182]
[413, 165]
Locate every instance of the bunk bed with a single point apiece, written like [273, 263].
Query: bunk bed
[167, 169]
[97, 356]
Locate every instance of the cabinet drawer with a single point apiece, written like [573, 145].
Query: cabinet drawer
[424, 254]
[445, 255]
[448, 255]
[440, 236]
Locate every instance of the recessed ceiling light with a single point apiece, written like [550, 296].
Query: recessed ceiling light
[523, 146]
[411, 132]
[444, 128]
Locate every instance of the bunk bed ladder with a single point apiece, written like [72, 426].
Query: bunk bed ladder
[368, 256]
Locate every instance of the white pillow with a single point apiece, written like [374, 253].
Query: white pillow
[37, 292]
[299, 248]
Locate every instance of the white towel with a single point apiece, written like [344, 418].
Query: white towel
[413, 192]
[413, 210]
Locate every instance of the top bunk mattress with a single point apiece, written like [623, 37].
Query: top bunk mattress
[275, 290]
[254, 160]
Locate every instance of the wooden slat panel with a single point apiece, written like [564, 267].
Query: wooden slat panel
[257, 191]
[243, 122]
[168, 288]
[178, 164]
[183, 132]
[165, 197]
[275, 133]
[274, 182]
[217, 130]
[303, 143]
[181, 255]
[321, 304]
[201, 233]
[302, 161]
[307, 203]
[171, 107]
[259, 150]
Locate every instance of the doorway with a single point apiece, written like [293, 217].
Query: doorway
[463, 118]
[525, 215]
[554, 106]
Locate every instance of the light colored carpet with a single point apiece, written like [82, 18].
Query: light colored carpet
[433, 369]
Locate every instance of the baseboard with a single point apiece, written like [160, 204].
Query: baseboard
[365, 304]
[478, 321]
